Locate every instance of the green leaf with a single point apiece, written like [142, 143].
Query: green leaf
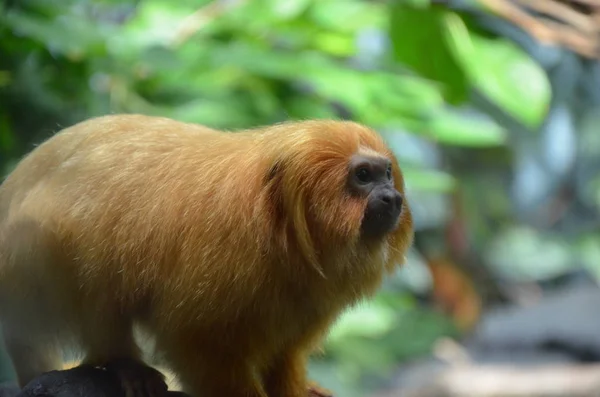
[288, 9]
[300, 107]
[406, 95]
[520, 253]
[455, 129]
[225, 113]
[588, 252]
[428, 180]
[418, 42]
[155, 24]
[346, 15]
[268, 63]
[419, 3]
[503, 72]
[335, 43]
[7, 139]
[370, 319]
[5, 78]
[70, 35]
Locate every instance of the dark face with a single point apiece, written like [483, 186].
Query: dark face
[371, 177]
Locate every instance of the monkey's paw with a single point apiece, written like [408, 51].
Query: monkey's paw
[138, 379]
[315, 390]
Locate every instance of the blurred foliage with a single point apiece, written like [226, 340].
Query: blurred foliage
[228, 64]
[472, 107]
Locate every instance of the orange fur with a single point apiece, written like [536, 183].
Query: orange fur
[236, 251]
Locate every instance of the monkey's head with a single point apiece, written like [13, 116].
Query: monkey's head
[370, 177]
[337, 187]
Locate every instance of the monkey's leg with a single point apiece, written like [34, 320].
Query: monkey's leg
[286, 376]
[217, 376]
[107, 336]
[30, 354]
[29, 302]
[114, 348]
[137, 378]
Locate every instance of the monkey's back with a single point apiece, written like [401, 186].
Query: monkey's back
[126, 210]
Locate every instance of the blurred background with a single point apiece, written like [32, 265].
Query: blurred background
[492, 107]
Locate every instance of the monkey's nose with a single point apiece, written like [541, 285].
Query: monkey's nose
[392, 198]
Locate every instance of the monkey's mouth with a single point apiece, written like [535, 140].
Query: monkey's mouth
[379, 220]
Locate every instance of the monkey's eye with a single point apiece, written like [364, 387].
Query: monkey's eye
[363, 174]
[388, 172]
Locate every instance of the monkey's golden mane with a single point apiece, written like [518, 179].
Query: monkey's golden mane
[241, 245]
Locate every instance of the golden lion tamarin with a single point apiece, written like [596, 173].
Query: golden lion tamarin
[236, 251]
